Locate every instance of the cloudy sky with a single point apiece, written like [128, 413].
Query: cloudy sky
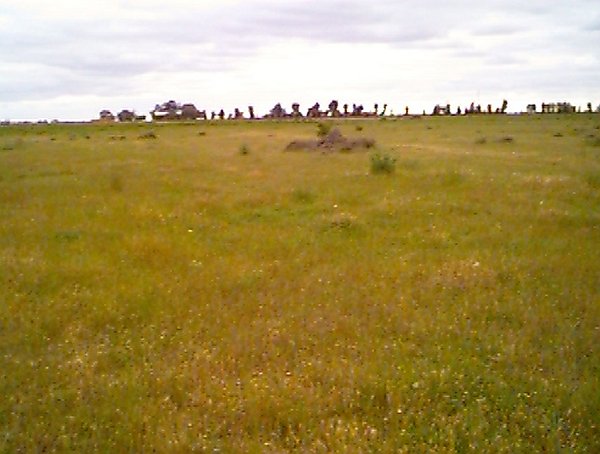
[68, 59]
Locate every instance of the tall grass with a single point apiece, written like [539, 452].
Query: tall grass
[168, 295]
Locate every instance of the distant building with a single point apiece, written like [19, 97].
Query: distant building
[558, 107]
[172, 110]
[106, 115]
[126, 115]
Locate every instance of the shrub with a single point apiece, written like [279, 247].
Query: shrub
[148, 135]
[480, 141]
[359, 128]
[323, 129]
[382, 164]
[244, 149]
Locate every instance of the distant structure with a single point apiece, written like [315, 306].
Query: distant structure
[238, 114]
[314, 111]
[169, 110]
[172, 110]
[357, 110]
[296, 111]
[277, 112]
[189, 112]
[558, 107]
[333, 109]
[126, 115]
[441, 110]
[106, 115]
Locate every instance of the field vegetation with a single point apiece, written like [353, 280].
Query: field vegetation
[193, 287]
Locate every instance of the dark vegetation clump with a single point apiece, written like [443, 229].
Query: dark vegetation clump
[202, 133]
[558, 134]
[334, 140]
[480, 141]
[506, 139]
[323, 129]
[148, 135]
[244, 149]
[359, 128]
[382, 164]
[117, 138]
[303, 196]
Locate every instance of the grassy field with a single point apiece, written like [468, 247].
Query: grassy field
[206, 291]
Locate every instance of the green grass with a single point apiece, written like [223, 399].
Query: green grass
[172, 294]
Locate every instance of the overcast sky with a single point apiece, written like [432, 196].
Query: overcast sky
[68, 59]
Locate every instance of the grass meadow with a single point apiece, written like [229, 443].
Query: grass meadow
[193, 287]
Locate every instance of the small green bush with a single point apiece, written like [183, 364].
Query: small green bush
[244, 149]
[382, 164]
[323, 129]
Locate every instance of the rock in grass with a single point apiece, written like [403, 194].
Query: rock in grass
[333, 141]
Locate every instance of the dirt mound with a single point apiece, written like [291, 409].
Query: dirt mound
[333, 141]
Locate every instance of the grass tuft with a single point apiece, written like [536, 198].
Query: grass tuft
[303, 196]
[147, 135]
[382, 164]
